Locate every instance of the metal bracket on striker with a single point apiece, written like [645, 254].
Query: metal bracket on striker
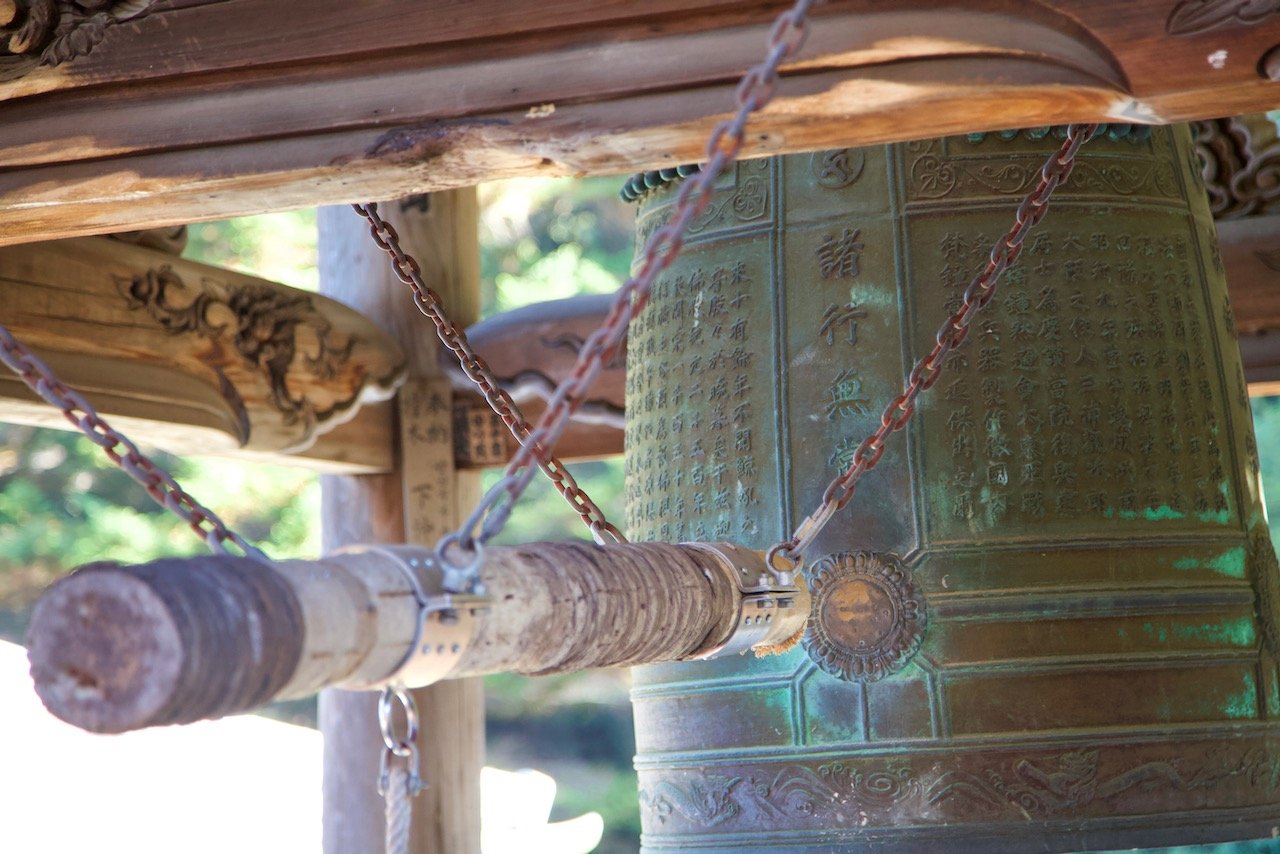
[769, 613]
[446, 621]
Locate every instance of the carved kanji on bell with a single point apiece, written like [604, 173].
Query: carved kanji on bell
[1048, 618]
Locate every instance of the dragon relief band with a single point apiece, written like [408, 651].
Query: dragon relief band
[1048, 619]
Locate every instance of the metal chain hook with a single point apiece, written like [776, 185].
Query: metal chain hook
[396, 746]
[755, 90]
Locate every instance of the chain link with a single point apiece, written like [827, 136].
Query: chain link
[158, 483]
[408, 271]
[755, 90]
[950, 335]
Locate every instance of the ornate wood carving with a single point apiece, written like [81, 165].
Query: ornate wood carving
[51, 32]
[194, 358]
[271, 327]
[1240, 162]
[1195, 16]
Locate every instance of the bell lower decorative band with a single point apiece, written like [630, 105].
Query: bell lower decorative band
[1048, 619]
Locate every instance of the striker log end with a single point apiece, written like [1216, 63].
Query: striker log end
[116, 648]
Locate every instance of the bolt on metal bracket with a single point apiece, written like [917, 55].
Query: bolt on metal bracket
[446, 621]
[769, 613]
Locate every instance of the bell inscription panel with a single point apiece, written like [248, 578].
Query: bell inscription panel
[1076, 502]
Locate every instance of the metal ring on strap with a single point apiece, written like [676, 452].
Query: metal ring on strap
[446, 621]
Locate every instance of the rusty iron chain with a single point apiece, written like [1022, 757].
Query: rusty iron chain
[786, 557]
[754, 91]
[408, 271]
[158, 483]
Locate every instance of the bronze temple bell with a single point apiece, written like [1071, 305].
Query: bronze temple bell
[1048, 620]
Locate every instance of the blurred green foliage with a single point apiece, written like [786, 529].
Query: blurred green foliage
[63, 503]
[548, 238]
[280, 247]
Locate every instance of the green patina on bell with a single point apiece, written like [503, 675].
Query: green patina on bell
[1047, 621]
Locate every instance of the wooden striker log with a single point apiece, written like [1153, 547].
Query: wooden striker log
[116, 648]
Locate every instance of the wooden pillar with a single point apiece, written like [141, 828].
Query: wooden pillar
[441, 231]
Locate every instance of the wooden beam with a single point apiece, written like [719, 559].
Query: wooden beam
[199, 360]
[193, 358]
[1250, 250]
[530, 351]
[287, 103]
[373, 509]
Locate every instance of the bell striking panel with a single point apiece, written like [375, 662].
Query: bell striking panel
[1047, 621]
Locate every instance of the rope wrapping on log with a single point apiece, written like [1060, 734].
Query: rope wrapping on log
[600, 607]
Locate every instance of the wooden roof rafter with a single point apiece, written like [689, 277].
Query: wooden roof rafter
[200, 109]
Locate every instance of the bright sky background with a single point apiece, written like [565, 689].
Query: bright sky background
[242, 784]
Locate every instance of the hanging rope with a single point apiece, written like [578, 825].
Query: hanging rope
[398, 780]
[399, 811]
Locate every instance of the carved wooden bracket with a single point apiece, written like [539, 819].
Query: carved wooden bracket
[171, 240]
[530, 350]
[1241, 165]
[36, 33]
[192, 358]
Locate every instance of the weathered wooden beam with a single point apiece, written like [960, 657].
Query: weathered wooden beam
[116, 648]
[193, 358]
[200, 360]
[342, 103]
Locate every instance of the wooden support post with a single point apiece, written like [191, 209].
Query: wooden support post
[441, 231]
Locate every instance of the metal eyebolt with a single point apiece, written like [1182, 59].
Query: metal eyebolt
[398, 746]
[783, 562]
